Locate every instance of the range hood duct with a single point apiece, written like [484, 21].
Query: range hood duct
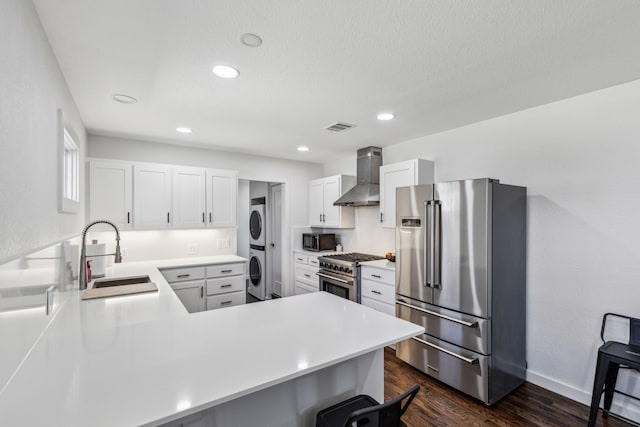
[367, 190]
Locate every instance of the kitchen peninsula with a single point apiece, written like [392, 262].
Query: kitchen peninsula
[143, 360]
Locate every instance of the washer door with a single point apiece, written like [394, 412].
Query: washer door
[255, 225]
[255, 271]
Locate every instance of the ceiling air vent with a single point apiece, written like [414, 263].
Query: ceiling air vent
[339, 126]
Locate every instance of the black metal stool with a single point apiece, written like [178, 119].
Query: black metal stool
[611, 356]
[365, 410]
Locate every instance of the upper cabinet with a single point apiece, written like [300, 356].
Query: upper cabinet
[402, 174]
[110, 192]
[222, 196]
[322, 193]
[152, 196]
[189, 201]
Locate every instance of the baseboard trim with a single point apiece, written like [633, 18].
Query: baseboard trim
[621, 405]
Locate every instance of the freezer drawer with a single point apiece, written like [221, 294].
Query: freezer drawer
[462, 369]
[472, 333]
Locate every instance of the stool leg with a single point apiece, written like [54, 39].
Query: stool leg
[598, 383]
[610, 385]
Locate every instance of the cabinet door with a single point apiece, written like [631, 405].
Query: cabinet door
[391, 177]
[316, 202]
[191, 295]
[222, 194]
[332, 192]
[189, 205]
[110, 186]
[151, 196]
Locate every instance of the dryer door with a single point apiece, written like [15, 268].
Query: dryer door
[255, 225]
[255, 271]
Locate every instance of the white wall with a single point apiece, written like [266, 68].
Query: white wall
[295, 175]
[580, 160]
[32, 89]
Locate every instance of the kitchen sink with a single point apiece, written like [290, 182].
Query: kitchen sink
[121, 281]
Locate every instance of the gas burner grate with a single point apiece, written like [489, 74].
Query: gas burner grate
[353, 257]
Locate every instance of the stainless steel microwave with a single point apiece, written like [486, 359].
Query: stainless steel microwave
[318, 242]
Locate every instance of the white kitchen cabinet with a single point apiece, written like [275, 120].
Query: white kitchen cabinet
[222, 195]
[226, 285]
[191, 295]
[306, 266]
[151, 196]
[189, 198]
[378, 289]
[401, 174]
[322, 193]
[110, 192]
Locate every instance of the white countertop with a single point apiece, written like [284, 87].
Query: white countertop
[381, 263]
[142, 359]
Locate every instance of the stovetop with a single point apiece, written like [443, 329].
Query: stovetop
[352, 257]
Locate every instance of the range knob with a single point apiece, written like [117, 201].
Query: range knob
[341, 269]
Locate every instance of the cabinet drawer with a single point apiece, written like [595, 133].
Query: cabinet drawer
[379, 275]
[223, 285]
[313, 261]
[460, 329]
[225, 270]
[308, 276]
[379, 291]
[462, 369]
[225, 300]
[183, 274]
[379, 306]
[301, 258]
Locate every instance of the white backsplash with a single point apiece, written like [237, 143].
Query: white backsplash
[367, 236]
[166, 244]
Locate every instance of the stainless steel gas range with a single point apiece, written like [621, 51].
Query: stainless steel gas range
[340, 273]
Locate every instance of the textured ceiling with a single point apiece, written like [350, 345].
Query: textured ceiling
[436, 64]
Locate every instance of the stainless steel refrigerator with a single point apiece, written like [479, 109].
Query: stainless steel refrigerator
[461, 273]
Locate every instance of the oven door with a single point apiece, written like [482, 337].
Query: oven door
[341, 286]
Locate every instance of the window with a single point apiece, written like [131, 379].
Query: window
[68, 169]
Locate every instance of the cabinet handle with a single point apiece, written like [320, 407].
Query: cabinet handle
[313, 262]
[226, 286]
[307, 275]
[182, 276]
[226, 271]
[203, 218]
[324, 218]
[299, 259]
[225, 302]
[201, 291]
[380, 216]
[320, 217]
[168, 218]
[128, 217]
[376, 292]
[209, 216]
[376, 276]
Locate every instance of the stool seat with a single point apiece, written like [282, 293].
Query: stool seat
[611, 355]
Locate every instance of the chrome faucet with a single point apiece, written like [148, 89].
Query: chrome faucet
[82, 277]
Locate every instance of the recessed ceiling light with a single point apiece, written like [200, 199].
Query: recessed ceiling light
[385, 116]
[251, 40]
[183, 130]
[124, 99]
[225, 72]
[303, 148]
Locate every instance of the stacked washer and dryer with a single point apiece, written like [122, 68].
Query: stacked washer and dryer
[257, 249]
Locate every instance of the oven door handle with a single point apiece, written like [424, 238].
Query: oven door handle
[326, 276]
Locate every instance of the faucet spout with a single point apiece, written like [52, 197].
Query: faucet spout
[82, 276]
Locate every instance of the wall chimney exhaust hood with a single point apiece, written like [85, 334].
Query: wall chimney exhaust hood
[367, 190]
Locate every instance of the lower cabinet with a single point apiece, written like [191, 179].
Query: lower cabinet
[208, 287]
[306, 267]
[378, 289]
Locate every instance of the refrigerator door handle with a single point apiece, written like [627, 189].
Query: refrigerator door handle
[428, 245]
[470, 361]
[437, 244]
[442, 316]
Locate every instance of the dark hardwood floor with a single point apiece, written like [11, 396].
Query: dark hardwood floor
[439, 405]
